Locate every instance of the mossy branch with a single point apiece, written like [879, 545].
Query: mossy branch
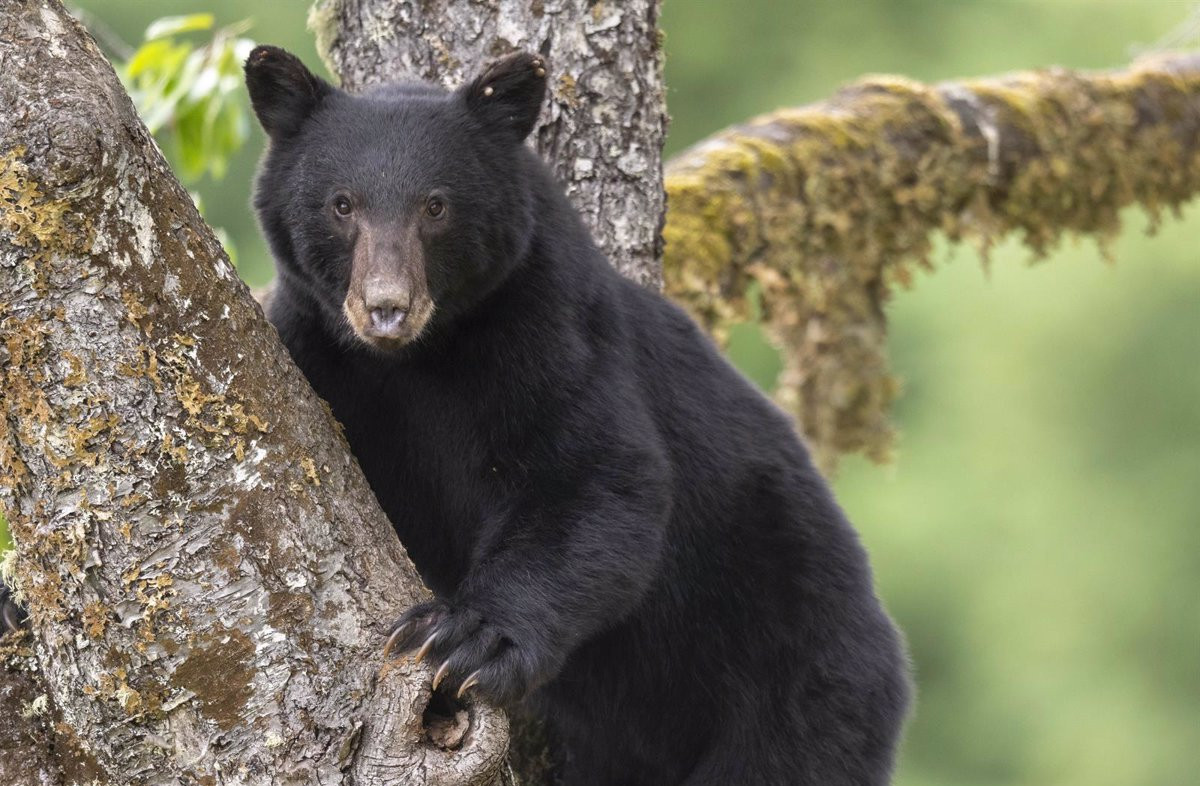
[828, 207]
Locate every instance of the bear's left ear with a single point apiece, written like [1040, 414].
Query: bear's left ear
[507, 96]
[283, 91]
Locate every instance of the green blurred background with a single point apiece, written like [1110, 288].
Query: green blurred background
[1038, 536]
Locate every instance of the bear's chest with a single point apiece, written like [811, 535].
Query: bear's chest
[438, 455]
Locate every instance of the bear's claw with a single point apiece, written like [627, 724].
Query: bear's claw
[397, 634]
[426, 647]
[441, 674]
[473, 652]
[468, 683]
[12, 621]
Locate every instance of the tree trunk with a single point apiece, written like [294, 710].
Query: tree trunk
[208, 574]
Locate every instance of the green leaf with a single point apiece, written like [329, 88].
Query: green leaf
[148, 57]
[190, 96]
[175, 87]
[191, 145]
[173, 25]
[205, 85]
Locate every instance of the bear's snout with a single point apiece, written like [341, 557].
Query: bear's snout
[387, 303]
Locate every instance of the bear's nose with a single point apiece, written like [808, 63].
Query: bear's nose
[387, 319]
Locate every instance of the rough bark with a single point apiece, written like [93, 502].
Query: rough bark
[27, 744]
[604, 123]
[208, 574]
[826, 208]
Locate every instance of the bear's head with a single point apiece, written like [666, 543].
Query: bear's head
[399, 209]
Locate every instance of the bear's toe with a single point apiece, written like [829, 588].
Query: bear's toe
[473, 654]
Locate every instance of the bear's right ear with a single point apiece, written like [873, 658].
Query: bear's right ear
[507, 96]
[282, 91]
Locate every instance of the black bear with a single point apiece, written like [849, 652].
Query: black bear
[620, 531]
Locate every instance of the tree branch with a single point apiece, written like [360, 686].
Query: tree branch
[828, 206]
[208, 574]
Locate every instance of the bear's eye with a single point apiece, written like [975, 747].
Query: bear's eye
[342, 206]
[435, 207]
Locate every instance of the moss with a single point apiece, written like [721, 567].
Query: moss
[220, 672]
[27, 217]
[95, 620]
[567, 91]
[310, 470]
[324, 23]
[292, 611]
[827, 208]
[75, 376]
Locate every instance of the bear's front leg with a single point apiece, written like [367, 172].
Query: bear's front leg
[556, 573]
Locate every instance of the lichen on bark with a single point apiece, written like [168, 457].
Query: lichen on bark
[828, 208]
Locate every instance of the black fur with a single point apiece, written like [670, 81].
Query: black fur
[619, 529]
[12, 616]
[282, 91]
